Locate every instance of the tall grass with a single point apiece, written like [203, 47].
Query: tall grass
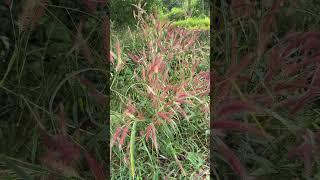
[52, 115]
[266, 90]
[159, 92]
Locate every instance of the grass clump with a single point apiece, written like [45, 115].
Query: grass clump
[160, 103]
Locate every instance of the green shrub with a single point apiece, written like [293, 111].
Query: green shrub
[190, 14]
[175, 14]
[122, 10]
[198, 7]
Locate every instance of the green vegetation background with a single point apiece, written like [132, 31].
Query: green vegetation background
[185, 13]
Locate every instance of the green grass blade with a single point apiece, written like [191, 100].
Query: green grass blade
[20, 172]
[12, 60]
[132, 139]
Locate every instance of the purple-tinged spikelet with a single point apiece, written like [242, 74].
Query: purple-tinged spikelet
[233, 160]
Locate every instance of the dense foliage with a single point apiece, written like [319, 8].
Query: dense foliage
[122, 11]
